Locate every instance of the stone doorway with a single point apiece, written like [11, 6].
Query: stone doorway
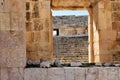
[71, 45]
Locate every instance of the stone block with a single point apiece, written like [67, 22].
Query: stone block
[118, 36]
[119, 73]
[44, 36]
[4, 21]
[103, 74]
[109, 73]
[113, 73]
[107, 35]
[5, 6]
[56, 74]
[17, 58]
[17, 21]
[106, 46]
[35, 74]
[16, 5]
[116, 26]
[75, 64]
[96, 36]
[37, 36]
[105, 57]
[29, 26]
[116, 16]
[29, 38]
[33, 56]
[12, 48]
[80, 74]
[12, 74]
[96, 48]
[69, 73]
[92, 74]
[115, 6]
[38, 25]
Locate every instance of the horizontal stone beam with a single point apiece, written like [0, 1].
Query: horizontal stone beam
[70, 4]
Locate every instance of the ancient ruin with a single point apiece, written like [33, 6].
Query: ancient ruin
[26, 34]
[71, 42]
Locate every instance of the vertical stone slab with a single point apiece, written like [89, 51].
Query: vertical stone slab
[91, 74]
[41, 30]
[12, 74]
[113, 73]
[80, 73]
[109, 73]
[104, 28]
[119, 73]
[12, 34]
[103, 74]
[69, 73]
[56, 74]
[35, 74]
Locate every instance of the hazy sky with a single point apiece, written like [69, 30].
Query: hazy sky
[68, 12]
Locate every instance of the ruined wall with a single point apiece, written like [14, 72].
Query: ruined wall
[71, 49]
[73, 73]
[106, 31]
[116, 26]
[12, 33]
[72, 42]
[38, 30]
[71, 25]
[94, 73]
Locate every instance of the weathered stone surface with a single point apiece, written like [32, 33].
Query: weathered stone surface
[66, 73]
[35, 74]
[12, 74]
[103, 74]
[4, 18]
[69, 73]
[119, 73]
[66, 4]
[116, 26]
[56, 74]
[91, 74]
[12, 34]
[80, 74]
[113, 74]
[115, 6]
[5, 6]
[12, 50]
[75, 64]
[39, 30]
[69, 21]
[71, 49]
[109, 73]
[116, 16]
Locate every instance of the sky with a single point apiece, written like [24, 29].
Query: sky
[68, 12]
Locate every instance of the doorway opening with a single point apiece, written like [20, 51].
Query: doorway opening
[71, 45]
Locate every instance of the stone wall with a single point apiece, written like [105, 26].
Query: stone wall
[66, 73]
[12, 33]
[70, 21]
[72, 42]
[71, 48]
[38, 30]
[106, 31]
[116, 26]
[71, 25]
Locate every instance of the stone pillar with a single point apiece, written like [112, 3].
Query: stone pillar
[39, 30]
[90, 33]
[12, 33]
[105, 36]
[115, 5]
